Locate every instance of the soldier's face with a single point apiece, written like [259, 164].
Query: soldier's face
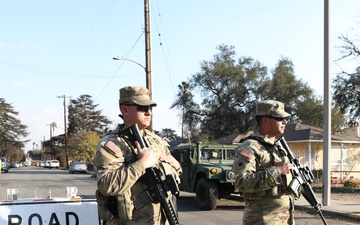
[279, 126]
[133, 113]
[275, 126]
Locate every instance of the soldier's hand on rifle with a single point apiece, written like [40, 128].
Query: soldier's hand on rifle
[171, 160]
[146, 156]
[283, 167]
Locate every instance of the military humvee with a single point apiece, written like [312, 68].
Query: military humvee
[206, 171]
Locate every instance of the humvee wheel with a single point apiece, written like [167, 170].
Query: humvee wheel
[207, 193]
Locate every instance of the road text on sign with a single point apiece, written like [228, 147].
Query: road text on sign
[67, 212]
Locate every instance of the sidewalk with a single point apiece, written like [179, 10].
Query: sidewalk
[336, 208]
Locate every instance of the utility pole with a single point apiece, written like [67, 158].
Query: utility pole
[43, 157]
[148, 51]
[52, 128]
[147, 66]
[147, 47]
[326, 201]
[65, 132]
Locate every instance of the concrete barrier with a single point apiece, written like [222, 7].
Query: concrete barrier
[61, 211]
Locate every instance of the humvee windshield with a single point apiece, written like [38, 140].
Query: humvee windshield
[224, 154]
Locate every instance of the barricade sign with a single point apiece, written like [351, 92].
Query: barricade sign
[60, 211]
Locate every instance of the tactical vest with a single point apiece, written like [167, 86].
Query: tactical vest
[136, 197]
[277, 155]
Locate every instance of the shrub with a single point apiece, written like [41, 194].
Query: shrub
[350, 184]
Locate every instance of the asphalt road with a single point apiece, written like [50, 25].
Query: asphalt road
[41, 182]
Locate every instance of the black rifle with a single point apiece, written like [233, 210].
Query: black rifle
[159, 184]
[302, 178]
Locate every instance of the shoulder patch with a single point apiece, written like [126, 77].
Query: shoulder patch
[112, 146]
[246, 153]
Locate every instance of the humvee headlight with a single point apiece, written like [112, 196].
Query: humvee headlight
[213, 170]
[230, 175]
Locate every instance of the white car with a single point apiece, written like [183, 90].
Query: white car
[46, 164]
[53, 164]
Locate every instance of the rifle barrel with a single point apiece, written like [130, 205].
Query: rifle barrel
[155, 174]
[306, 189]
[135, 130]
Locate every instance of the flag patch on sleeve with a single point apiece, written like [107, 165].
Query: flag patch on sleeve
[112, 146]
[246, 153]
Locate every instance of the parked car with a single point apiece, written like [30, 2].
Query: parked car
[5, 166]
[77, 167]
[47, 164]
[54, 164]
[14, 165]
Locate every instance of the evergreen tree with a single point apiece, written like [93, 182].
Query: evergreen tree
[299, 98]
[167, 133]
[228, 87]
[11, 129]
[83, 115]
[189, 109]
[86, 126]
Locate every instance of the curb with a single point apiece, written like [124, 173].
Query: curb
[354, 217]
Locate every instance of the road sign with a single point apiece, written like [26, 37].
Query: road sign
[61, 211]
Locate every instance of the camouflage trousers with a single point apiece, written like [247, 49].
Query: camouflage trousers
[139, 219]
[116, 221]
[270, 211]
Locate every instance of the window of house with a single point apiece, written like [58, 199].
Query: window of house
[338, 154]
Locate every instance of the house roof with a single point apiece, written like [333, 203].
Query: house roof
[233, 138]
[301, 132]
[296, 133]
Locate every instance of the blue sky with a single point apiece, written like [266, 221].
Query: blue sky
[55, 48]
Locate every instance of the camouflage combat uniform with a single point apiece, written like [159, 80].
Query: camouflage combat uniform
[118, 173]
[267, 199]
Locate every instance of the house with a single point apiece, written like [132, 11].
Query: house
[306, 142]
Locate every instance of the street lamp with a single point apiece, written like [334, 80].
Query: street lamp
[122, 58]
[147, 76]
[147, 72]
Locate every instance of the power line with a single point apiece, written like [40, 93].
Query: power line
[112, 77]
[166, 54]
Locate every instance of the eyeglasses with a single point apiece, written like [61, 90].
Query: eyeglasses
[280, 119]
[141, 108]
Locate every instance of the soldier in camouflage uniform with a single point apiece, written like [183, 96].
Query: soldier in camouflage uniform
[121, 195]
[262, 172]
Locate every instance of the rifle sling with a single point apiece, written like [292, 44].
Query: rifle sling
[142, 199]
[270, 148]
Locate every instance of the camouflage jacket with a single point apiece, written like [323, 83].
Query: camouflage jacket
[118, 171]
[255, 173]
[265, 191]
